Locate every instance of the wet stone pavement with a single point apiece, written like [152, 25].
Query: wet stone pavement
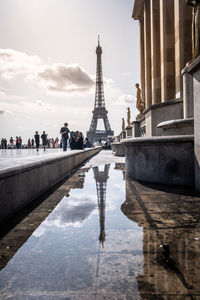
[101, 236]
[10, 158]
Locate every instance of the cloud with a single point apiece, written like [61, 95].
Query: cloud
[10, 98]
[126, 99]
[44, 105]
[14, 63]
[72, 212]
[66, 78]
[56, 77]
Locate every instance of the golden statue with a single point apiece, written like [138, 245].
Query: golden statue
[128, 118]
[195, 27]
[123, 124]
[139, 104]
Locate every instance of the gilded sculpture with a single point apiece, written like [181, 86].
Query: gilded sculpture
[195, 27]
[128, 118]
[140, 103]
[123, 124]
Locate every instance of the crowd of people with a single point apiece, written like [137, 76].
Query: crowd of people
[72, 139]
[30, 144]
[75, 140]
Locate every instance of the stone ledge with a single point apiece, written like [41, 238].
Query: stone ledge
[22, 184]
[163, 104]
[164, 160]
[171, 123]
[118, 149]
[158, 140]
[10, 171]
[192, 67]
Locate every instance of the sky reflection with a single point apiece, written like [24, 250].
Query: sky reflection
[64, 253]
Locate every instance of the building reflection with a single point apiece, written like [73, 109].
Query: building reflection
[101, 178]
[169, 220]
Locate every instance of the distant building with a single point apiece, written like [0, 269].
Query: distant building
[99, 111]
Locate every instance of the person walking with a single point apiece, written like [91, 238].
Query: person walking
[5, 143]
[11, 143]
[32, 143]
[44, 140]
[37, 140]
[72, 141]
[56, 142]
[17, 142]
[80, 141]
[64, 131]
[87, 143]
[53, 143]
[2, 143]
[20, 142]
[29, 143]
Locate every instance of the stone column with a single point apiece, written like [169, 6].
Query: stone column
[142, 63]
[147, 53]
[155, 51]
[183, 41]
[167, 48]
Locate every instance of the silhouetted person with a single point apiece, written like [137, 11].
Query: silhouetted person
[72, 141]
[29, 143]
[37, 140]
[32, 143]
[11, 143]
[5, 143]
[87, 143]
[20, 142]
[80, 141]
[44, 140]
[64, 131]
[17, 142]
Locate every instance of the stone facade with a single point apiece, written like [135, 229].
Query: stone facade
[165, 48]
[164, 147]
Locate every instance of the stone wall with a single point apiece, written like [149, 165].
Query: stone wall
[165, 160]
[21, 185]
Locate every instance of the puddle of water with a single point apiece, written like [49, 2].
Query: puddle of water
[85, 247]
[99, 236]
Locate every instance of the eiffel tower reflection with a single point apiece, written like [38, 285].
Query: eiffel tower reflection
[101, 178]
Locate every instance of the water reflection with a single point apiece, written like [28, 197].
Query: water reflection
[101, 178]
[11, 242]
[71, 212]
[171, 241]
[63, 258]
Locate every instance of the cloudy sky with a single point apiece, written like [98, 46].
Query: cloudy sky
[48, 63]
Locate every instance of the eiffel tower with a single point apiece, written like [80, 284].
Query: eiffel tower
[99, 111]
[101, 178]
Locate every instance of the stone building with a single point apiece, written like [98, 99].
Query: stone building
[165, 48]
[164, 146]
